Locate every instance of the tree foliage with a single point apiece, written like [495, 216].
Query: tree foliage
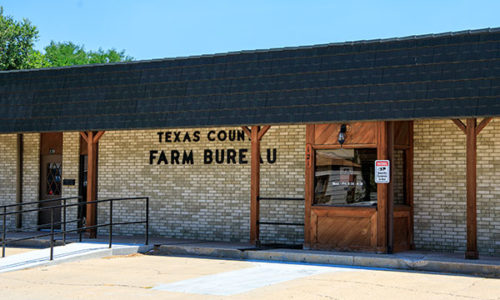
[16, 44]
[17, 39]
[68, 54]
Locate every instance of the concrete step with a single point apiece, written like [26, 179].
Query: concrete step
[427, 262]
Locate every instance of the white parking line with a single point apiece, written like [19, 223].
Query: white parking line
[241, 281]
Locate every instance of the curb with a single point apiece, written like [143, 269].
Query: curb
[364, 260]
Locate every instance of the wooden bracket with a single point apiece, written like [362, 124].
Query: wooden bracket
[263, 131]
[84, 136]
[247, 131]
[477, 129]
[483, 124]
[97, 136]
[260, 131]
[460, 125]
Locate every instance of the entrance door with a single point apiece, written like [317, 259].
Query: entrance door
[345, 207]
[50, 188]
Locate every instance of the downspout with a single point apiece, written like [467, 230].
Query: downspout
[19, 180]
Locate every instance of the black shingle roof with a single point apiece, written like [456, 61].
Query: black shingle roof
[432, 76]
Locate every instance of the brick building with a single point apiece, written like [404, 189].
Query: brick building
[185, 132]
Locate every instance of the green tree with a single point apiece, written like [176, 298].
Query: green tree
[109, 56]
[65, 54]
[16, 44]
[68, 54]
[17, 40]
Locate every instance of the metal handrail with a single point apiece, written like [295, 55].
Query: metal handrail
[41, 201]
[80, 229]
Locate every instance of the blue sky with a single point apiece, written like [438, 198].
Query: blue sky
[149, 29]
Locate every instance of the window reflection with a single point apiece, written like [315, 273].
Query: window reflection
[345, 177]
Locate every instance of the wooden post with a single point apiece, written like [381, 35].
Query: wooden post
[471, 130]
[92, 139]
[19, 179]
[472, 252]
[382, 191]
[255, 134]
[255, 186]
[390, 188]
[91, 182]
[409, 185]
[309, 185]
[385, 191]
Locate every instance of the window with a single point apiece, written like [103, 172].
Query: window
[345, 177]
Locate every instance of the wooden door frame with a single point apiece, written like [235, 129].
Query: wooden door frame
[385, 145]
[44, 159]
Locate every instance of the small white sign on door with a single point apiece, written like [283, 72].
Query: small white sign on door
[382, 171]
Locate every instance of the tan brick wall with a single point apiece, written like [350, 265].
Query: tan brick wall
[286, 178]
[440, 187]
[31, 177]
[211, 201]
[70, 170]
[8, 155]
[202, 201]
[488, 188]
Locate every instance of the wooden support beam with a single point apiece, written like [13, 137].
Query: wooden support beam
[263, 131]
[460, 124]
[84, 136]
[309, 185]
[472, 130]
[19, 178]
[382, 190]
[409, 185]
[482, 124]
[92, 139]
[97, 136]
[390, 188]
[91, 181]
[255, 186]
[247, 131]
[385, 191]
[472, 252]
[255, 134]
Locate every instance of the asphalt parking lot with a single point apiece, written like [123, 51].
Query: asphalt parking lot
[159, 277]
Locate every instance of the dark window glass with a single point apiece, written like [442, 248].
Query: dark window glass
[345, 177]
[54, 179]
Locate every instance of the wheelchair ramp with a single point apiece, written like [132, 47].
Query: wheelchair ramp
[69, 252]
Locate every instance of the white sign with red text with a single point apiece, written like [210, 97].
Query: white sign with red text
[382, 171]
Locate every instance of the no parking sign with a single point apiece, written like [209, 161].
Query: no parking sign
[382, 171]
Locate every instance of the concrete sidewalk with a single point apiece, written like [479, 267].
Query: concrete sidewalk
[411, 260]
[67, 253]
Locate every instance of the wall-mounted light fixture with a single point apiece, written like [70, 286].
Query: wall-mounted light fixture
[342, 134]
